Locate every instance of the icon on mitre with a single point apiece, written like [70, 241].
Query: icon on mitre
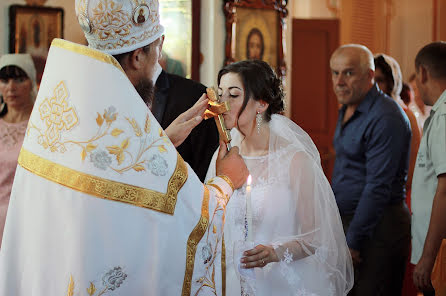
[141, 14]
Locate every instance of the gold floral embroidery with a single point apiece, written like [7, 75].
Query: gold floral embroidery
[81, 7]
[110, 21]
[192, 242]
[111, 281]
[58, 116]
[107, 189]
[120, 43]
[210, 249]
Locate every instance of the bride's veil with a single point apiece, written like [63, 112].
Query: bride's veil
[308, 233]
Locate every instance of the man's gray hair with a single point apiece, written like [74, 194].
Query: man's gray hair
[365, 55]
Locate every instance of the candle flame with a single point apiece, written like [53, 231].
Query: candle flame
[249, 180]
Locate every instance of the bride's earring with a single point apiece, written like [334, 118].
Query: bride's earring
[259, 120]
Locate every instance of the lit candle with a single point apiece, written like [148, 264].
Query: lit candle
[249, 208]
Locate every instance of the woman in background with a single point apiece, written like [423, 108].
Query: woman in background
[295, 244]
[390, 81]
[18, 89]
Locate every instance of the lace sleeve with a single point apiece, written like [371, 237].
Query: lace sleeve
[316, 238]
[302, 185]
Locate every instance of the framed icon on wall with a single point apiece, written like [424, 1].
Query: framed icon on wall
[254, 30]
[32, 30]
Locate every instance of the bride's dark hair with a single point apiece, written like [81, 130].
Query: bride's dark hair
[260, 83]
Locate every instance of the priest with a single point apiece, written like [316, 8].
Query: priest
[102, 203]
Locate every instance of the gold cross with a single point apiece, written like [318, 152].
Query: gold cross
[216, 110]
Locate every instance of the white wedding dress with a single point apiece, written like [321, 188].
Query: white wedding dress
[294, 210]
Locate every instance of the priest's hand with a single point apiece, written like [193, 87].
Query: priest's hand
[181, 127]
[231, 164]
[259, 257]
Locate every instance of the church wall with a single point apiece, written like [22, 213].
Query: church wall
[410, 25]
[410, 28]
[212, 45]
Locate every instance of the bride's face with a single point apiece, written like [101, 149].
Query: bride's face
[231, 89]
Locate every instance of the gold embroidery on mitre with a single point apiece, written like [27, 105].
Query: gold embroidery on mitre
[120, 43]
[110, 21]
[107, 189]
[109, 26]
[192, 242]
[82, 16]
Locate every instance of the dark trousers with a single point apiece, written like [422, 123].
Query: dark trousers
[384, 255]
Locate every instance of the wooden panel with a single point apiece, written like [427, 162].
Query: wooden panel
[313, 103]
[366, 22]
[310, 75]
[440, 20]
[363, 18]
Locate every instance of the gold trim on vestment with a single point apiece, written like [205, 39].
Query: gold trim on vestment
[87, 51]
[107, 189]
[223, 265]
[192, 242]
[226, 178]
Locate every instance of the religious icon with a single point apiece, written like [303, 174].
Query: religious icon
[255, 32]
[141, 14]
[32, 31]
[255, 45]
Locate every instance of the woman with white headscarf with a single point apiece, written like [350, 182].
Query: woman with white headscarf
[283, 234]
[18, 90]
[389, 78]
[390, 81]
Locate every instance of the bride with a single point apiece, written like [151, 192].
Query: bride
[283, 234]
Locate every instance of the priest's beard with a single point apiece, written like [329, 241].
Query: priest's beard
[146, 90]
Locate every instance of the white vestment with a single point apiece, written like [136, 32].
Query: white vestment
[293, 209]
[102, 203]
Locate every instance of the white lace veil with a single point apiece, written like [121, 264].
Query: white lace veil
[302, 222]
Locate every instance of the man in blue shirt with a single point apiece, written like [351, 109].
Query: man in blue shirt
[372, 141]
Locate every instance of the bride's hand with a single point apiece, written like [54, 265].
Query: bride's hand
[259, 257]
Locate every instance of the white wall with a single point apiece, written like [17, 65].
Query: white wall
[212, 43]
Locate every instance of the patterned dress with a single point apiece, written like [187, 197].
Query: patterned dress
[11, 139]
